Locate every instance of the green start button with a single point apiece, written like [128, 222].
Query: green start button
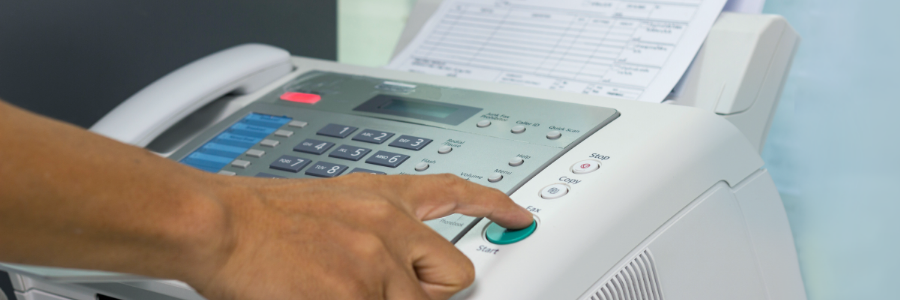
[502, 236]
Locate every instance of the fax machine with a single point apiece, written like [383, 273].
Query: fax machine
[633, 200]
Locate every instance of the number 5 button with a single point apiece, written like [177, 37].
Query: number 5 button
[349, 152]
[387, 159]
[373, 136]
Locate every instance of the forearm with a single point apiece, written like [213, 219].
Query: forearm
[70, 198]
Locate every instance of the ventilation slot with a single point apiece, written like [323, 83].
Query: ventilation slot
[636, 281]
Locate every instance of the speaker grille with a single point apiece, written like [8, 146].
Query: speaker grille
[636, 281]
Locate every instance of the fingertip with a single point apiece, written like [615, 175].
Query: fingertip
[515, 219]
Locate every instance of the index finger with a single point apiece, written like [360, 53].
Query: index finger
[435, 196]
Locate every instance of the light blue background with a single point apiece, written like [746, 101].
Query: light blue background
[833, 148]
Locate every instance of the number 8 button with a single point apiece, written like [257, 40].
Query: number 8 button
[324, 169]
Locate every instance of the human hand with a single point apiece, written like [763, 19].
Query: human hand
[358, 236]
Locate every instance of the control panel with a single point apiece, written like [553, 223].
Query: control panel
[324, 125]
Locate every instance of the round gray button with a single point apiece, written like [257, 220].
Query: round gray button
[518, 129]
[554, 135]
[554, 191]
[495, 177]
[445, 149]
[422, 166]
[483, 123]
[516, 161]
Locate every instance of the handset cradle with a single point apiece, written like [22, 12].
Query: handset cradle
[241, 69]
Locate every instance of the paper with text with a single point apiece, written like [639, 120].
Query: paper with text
[623, 49]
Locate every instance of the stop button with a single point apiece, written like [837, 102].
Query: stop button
[585, 166]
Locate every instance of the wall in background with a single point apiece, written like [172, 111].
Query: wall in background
[76, 60]
[368, 30]
[834, 146]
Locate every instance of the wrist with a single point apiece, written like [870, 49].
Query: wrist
[200, 232]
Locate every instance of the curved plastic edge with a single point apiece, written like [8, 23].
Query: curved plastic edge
[241, 69]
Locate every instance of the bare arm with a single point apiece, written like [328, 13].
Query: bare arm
[70, 198]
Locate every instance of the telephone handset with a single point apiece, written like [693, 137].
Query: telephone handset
[241, 69]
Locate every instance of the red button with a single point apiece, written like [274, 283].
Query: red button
[301, 97]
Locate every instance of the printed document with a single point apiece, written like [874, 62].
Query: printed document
[624, 49]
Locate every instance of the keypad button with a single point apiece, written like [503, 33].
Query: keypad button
[410, 142]
[327, 170]
[373, 136]
[283, 133]
[518, 129]
[554, 135]
[445, 149]
[239, 163]
[269, 143]
[227, 173]
[255, 153]
[495, 177]
[267, 175]
[516, 161]
[336, 130]
[312, 146]
[361, 170]
[349, 152]
[554, 191]
[422, 166]
[298, 124]
[483, 123]
[585, 166]
[387, 159]
[289, 163]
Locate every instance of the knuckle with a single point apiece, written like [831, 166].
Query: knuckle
[464, 274]
[452, 181]
[499, 195]
[381, 210]
[370, 247]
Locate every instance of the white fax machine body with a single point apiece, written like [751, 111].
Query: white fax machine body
[679, 208]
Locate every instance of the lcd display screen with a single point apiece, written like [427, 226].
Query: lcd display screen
[425, 109]
[420, 109]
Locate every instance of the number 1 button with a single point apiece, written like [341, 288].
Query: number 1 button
[336, 130]
[373, 136]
